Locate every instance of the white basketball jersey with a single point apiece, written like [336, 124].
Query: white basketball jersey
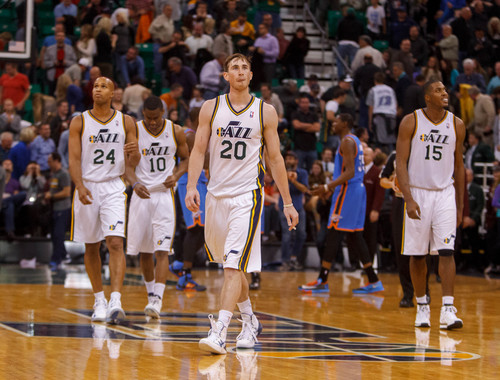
[102, 147]
[236, 148]
[432, 156]
[158, 154]
[384, 100]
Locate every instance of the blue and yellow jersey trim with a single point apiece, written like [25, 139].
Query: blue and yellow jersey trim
[241, 111]
[107, 121]
[252, 229]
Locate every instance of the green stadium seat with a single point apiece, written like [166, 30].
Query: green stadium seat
[11, 28]
[275, 82]
[381, 45]
[7, 13]
[47, 30]
[35, 88]
[333, 22]
[47, 5]
[361, 16]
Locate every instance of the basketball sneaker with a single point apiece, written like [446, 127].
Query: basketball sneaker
[115, 312]
[250, 330]
[423, 318]
[448, 319]
[176, 268]
[186, 282]
[100, 310]
[255, 284]
[153, 307]
[370, 288]
[215, 342]
[317, 286]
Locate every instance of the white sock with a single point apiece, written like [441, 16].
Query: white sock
[99, 295]
[150, 286]
[245, 307]
[115, 296]
[422, 300]
[159, 289]
[448, 300]
[225, 317]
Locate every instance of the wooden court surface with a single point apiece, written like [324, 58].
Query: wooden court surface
[45, 331]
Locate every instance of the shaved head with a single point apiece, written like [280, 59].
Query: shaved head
[108, 81]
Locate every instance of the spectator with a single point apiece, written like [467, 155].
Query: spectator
[494, 36]
[484, 115]
[62, 147]
[481, 48]
[51, 40]
[65, 8]
[348, 32]
[12, 199]
[400, 28]
[376, 24]
[448, 73]
[133, 96]
[2, 184]
[41, 147]
[298, 184]
[197, 98]
[332, 110]
[366, 48]
[73, 94]
[9, 120]
[104, 54]
[271, 19]
[327, 157]
[161, 30]
[270, 97]
[283, 44]
[117, 101]
[184, 75]
[32, 183]
[223, 43]
[14, 86]
[296, 53]
[419, 47]
[432, 70]
[243, 33]
[20, 154]
[226, 12]
[312, 81]
[211, 76]
[287, 94]
[449, 45]
[462, 29]
[198, 40]
[414, 96]
[77, 71]
[93, 9]
[496, 137]
[94, 73]
[271, 212]
[495, 81]
[478, 152]
[305, 124]
[122, 35]
[60, 122]
[6, 140]
[267, 46]
[317, 178]
[59, 195]
[479, 17]
[403, 81]
[405, 56]
[176, 48]
[57, 59]
[86, 47]
[350, 104]
[381, 101]
[363, 81]
[173, 97]
[132, 66]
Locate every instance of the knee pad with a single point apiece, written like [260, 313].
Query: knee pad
[446, 252]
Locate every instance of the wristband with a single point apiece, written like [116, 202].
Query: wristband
[134, 185]
[288, 205]
[326, 187]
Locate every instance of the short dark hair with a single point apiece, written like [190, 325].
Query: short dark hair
[338, 92]
[56, 156]
[152, 103]
[379, 77]
[347, 118]
[419, 78]
[428, 85]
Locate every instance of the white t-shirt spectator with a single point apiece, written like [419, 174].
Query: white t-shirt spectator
[332, 105]
[375, 17]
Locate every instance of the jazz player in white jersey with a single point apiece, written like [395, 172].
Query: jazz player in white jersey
[151, 226]
[235, 128]
[101, 142]
[430, 172]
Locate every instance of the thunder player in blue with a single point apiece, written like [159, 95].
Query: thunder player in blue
[347, 214]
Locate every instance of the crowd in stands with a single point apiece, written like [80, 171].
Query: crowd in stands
[386, 52]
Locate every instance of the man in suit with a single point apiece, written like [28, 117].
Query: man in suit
[374, 199]
[477, 152]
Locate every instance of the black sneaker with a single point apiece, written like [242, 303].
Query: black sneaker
[255, 284]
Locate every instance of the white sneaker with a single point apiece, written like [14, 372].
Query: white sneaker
[115, 312]
[423, 318]
[100, 309]
[448, 320]
[153, 308]
[250, 330]
[216, 340]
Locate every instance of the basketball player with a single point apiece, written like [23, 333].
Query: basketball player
[195, 222]
[235, 128]
[347, 213]
[151, 228]
[100, 143]
[430, 172]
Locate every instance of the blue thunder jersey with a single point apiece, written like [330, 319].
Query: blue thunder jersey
[236, 147]
[348, 208]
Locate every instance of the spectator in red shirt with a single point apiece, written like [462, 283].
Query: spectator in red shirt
[15, 86]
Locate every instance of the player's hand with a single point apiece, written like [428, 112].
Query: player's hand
[291, 216]
[319, 190]
[413, 209]
[142, 191]
[193, 200]
[84, 195]
[131, 147]
[374, 216]
[170, 181]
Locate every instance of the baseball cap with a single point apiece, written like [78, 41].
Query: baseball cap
[84, 62]
[346, 78]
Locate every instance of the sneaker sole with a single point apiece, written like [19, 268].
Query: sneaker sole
[152, 313]
[423, 325]
[98, 319]
[355, 291]
[455, 325]
[116, 316]
[207, 346]
[314, 290]
[245, 346]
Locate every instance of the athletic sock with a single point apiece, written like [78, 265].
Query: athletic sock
[372, 276]
[422, 300]
[115, 296]
[99, 295]
[150, 286]
[159, 288]
[323, 274]
[245, 307]
[225, 317]
[448, 300]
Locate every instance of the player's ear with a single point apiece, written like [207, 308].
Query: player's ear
[225, 75]
[251, 75]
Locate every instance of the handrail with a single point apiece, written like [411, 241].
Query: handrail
[324, 38]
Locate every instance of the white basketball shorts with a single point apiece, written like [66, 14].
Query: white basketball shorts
[436, 229]
[151, 225]
[105, 216]
[232, 230]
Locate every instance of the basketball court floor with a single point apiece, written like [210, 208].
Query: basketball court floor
[46, 333]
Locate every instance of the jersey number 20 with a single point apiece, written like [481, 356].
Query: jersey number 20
[239, 152]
